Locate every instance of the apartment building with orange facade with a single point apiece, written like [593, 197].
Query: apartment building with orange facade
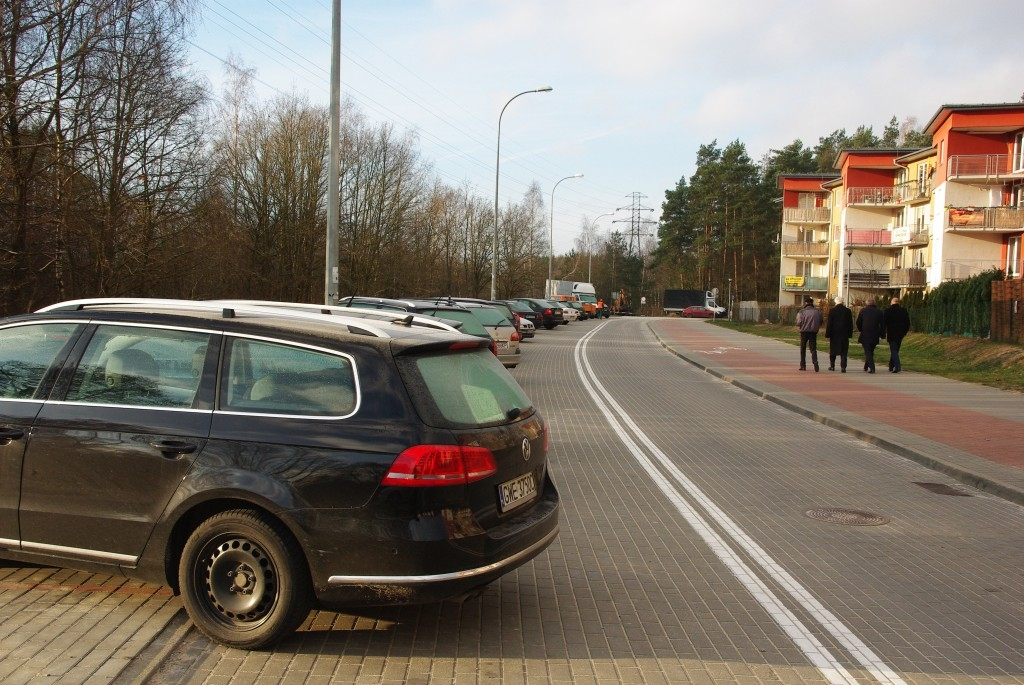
[894, 220]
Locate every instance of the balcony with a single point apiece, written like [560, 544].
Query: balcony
[864, 237]
[868, 279]
[803, 215]
[908, 278]
[805, 283]
[960, 269]
[985, 219]
[913, 192]
[804, 248]
[909, 236]
[986, 168]
[878, 196]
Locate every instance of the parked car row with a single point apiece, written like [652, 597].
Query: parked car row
[476, 317]
[262, 459]
[505, 322]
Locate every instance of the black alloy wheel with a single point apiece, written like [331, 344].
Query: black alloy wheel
[243, 580]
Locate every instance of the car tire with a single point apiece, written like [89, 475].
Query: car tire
[549, 326]
[243, 581]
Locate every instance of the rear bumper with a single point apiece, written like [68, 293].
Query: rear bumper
[429, 560]
[510, 358]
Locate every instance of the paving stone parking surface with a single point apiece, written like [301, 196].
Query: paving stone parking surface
[631, 592]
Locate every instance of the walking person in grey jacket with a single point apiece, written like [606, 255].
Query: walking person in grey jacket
[808, 320]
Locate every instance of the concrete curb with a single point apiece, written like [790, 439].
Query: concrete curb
[981, 482]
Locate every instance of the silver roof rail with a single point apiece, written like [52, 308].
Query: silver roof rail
[390, 316]
[228, 309]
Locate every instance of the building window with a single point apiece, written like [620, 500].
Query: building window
[1013, 266]
[1018, 152]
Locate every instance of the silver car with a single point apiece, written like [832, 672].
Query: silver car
[506, 338]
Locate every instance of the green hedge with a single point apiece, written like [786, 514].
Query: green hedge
[958, 307]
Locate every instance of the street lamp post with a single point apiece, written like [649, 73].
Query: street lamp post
[590, 252]
[728, 302]
[849, 268]
[551, 233]
[497, 175]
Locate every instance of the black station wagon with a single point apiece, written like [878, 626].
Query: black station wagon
[263, 461]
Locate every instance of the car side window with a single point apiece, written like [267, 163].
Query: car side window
[273, 378]
[140, 366]
[27, 352]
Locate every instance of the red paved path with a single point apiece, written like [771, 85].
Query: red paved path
[989, 437]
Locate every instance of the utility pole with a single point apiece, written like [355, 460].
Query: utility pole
[637, 223]
[637, 231]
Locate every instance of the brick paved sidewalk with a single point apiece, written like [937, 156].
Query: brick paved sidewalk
[969, 432]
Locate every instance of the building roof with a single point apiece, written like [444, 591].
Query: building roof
[945, 111]
[823, 177]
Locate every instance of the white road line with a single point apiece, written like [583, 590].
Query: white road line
[816, 653]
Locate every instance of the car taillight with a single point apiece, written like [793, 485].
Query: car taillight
[433, 465]
[515, 336]
[548, 312]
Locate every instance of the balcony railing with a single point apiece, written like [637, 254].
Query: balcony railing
[864, 237]
[868, 279]
[908, 278]
[994, 219]
[805, 283]
[803, 215]
[802, 248]
[959, 269]
[914, 191]
[876, 196]
[891, 196]
[987, 167]
[909, 236]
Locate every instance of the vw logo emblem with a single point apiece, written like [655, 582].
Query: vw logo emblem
[526, 449]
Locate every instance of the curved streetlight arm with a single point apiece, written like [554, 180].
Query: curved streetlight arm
[590, 252]
[551, 233]
[497, 175]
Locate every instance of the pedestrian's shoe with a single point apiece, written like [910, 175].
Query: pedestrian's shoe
[831, 368]
[843, 370]
[815, 367]
[871, 370]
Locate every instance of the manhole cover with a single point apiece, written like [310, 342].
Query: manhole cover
[847, 517]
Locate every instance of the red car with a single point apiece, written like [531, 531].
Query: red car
[698, 312]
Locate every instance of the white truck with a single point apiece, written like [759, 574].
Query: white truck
[581, 292]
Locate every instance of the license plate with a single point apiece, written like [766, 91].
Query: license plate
[517, 491]
[503, 345]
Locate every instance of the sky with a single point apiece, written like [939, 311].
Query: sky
[637, 86]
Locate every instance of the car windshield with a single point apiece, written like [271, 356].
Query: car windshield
[470, 323]
[506, 311]
[465, 389]
[489, 316]
[519, 307]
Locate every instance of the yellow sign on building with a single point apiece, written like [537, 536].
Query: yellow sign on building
[794, 281]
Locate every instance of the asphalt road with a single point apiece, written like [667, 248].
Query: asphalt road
[708, 536]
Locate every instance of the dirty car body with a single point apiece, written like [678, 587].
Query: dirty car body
[263, 462]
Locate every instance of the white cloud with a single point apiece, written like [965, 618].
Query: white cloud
[638, 86]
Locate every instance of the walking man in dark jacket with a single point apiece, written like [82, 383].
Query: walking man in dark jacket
[838, 331]
[808, 320]
[897, 325]
[871, 325]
